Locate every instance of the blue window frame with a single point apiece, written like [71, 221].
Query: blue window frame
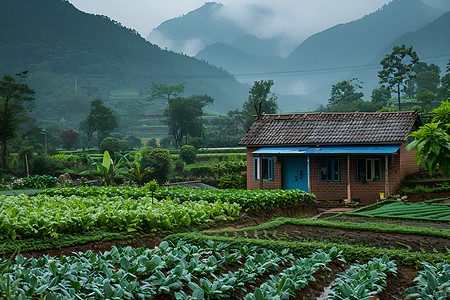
[330, 169]
[368, 169]
[267, 168]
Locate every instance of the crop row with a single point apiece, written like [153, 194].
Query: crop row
[42, 215]
[248, 199]
[186, 271]
[422, 211]
[142, 273]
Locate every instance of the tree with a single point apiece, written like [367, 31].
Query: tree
[444, 90]
[68, 139]
[100, 120]
[162, 90]
[432, 142]
[344, 92]
[111, 145]
[184, 117]
[15, 101]
[395, 72]
[159, 160]
[428, 81]
[381, 96]
[426, 97]
[188, 154]
[259, 101]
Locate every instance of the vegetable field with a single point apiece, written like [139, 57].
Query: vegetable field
[213, 271]
[24, 217]
[286, 258]
[400, 210]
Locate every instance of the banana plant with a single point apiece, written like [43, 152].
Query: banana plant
[107, 170]
[135, 172]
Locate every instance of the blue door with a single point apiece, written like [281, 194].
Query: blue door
[295, 173]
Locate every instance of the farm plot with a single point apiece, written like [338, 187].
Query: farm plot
[412, 239]
[45, 216]
[421, 211]
[178, 271]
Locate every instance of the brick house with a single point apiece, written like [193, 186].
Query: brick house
[333, 155]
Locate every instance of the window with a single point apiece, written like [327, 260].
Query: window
[330, 169]
[267, 168]
[369, 169]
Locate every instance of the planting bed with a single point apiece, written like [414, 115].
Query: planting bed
[296, 233]
[302, 258]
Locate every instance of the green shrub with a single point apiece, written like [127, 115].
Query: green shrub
[39, 181]
[188, 153]
[179, 166]
[159, 159]
[47, 165]
[110, 144]
[229, 166]
[233, 181]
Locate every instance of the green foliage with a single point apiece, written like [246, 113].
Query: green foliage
[39, 181]
[162, 90]
[159, 160]
[134, 171]
[248, 199]
[184, 117]
[416, 211]
[107, 170]
[179, 166]
[15, 102]
[344, 92]
[396, 72]
[42, 165]
[188, 153]
[100, 120]
[233, 181]
[432, 283]
[259, 101]
[362, 281]
[350, 253]
[49, 216]
[432, 142]
[111, 145]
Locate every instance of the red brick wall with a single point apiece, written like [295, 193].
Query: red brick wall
[253, 184]
[400, 164]
[367, 192]
[407, 161]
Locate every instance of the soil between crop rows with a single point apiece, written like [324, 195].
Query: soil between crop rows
[295, 233]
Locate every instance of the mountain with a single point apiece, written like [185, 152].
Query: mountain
[357, 42]
[188, 33]
[208, 25]
[74, 57]
[353, 49]
[431, 42]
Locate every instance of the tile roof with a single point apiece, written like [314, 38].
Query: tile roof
[331, 128]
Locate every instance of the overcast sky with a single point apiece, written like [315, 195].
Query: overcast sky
[293, 17]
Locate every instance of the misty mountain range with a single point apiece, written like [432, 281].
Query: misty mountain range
[303, 79]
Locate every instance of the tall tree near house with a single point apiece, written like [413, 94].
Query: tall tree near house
[260, 100]
[398, 68]
[184, 117]
[345, 92]
[162, 90]
[15, 102]
[100, 120]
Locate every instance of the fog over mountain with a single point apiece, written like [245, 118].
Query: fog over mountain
[303, 72]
